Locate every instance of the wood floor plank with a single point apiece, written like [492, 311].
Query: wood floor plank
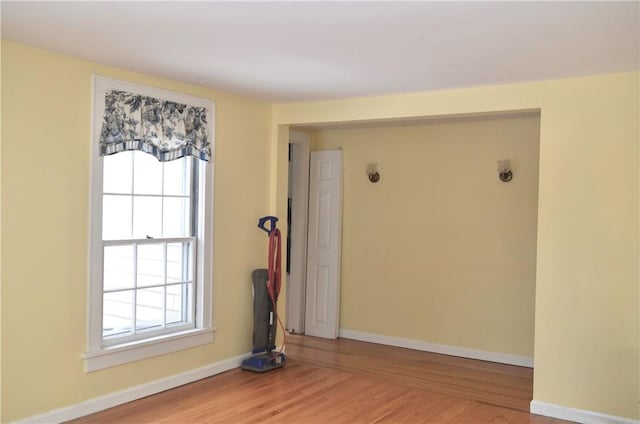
[345, 381]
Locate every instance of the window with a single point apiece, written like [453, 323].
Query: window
[148, 240]
[150, 279]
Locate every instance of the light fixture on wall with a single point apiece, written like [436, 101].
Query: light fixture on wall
[504, 170]
[372, 172]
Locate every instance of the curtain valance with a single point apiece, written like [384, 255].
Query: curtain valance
[165, 129]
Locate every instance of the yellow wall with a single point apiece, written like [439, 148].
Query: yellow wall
[439, 250]
[587, 283]
[46, 105]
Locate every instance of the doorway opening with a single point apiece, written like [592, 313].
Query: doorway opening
[314, 241]
[297, 214]
[440, 242]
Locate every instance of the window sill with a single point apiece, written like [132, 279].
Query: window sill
[135, 351]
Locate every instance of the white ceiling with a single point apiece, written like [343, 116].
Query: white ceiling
[300, 51]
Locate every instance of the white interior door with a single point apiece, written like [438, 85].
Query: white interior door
[324, 244]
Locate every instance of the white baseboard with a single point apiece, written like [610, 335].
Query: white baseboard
[577, 415]
[118, 398]
[503, 358]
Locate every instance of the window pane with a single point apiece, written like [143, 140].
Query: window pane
[147, 174]
[118, 267]
[179, 263]
[117, 313]
[117, 173]
[177, 177]
[175, 222]
[149, 308]
[116, 217]
[178, 303]
[150, 265]
[147, 217]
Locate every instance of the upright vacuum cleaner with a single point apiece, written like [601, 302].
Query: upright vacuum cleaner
[266, 288]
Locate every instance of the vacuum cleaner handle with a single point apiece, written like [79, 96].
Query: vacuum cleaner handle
[271, 219]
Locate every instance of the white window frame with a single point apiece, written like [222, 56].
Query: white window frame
[99, 355]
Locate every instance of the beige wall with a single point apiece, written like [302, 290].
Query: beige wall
[439, 250]
[587, 287]
[46, 105]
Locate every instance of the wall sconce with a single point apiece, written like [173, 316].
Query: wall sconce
[504, 170]
[372, 172]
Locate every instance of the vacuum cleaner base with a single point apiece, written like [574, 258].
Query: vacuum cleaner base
[264, 362]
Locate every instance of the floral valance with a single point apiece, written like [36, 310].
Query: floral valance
[165, 129]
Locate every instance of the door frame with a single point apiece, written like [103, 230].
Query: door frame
[296, 293]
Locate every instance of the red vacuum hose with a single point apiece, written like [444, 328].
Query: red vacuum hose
[275, 276]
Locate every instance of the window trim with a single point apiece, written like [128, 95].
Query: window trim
[97, 355]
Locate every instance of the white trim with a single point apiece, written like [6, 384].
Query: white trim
[159, 240]
[299, 213]
[147, 348]
[94, 293]
[204, 248]
[123, 396]
[502, 358]
[577, 415]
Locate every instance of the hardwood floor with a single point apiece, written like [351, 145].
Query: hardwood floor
[345, 381]
[496, 384]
